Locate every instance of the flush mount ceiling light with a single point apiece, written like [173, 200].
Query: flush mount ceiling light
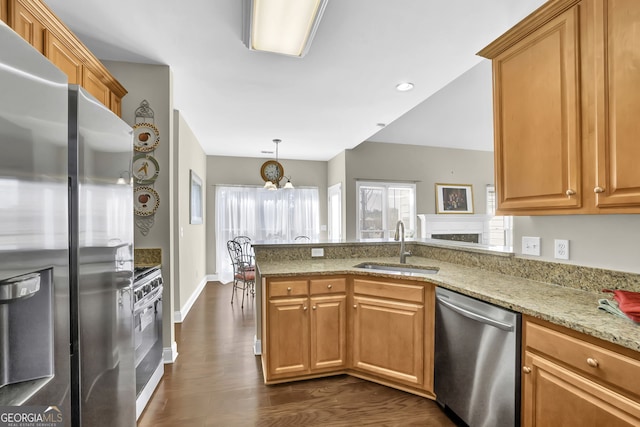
[404, 86]
[281, 26]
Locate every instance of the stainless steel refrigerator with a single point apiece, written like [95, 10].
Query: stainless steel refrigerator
[66, 247]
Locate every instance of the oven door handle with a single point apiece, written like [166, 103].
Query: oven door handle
[148, 299]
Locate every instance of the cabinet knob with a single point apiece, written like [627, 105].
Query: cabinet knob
[304, 308]
[289, 289]
[570, 192]
[598, 190]
[355, 305]
[592, 362]
[329, 286]
[314, 307]
[526, 369]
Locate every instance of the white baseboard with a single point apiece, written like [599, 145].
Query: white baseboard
[179, 316]
[170, 354]
[149, 388]
[212, 277]
[257, 346]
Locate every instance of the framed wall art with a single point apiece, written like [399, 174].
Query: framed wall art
[454, 199]
[195, 199]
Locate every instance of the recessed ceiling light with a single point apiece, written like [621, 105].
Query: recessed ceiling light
[380, 125]
[404, 86]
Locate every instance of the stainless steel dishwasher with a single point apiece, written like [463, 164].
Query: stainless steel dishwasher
[477, 360]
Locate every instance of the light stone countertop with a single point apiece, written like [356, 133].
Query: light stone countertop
[572, 308]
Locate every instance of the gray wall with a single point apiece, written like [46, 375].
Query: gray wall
[246, 171]
[424, 165]
[192, 245]
[603, 241]
[154, 83]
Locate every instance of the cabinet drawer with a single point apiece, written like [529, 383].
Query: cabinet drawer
[603, 364]
[406, 292]
[328, 286]
[287, 288]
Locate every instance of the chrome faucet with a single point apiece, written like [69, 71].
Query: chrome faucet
[400, 235]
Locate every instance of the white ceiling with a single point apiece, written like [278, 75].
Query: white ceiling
[236, 101]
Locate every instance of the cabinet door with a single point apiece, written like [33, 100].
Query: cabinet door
[27, 25]
[555, 396]
[388, 339]
[537, 119]
[116, 104]
[95, 87]
[328, 332]
[617, 102]
[288, 337]
[63, 58]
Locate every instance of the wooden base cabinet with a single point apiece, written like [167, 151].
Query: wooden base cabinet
[328, 332]
[393, 332]
[288, 336]
[305, 327]
[377, 329]
[571, 381]
[388, 339]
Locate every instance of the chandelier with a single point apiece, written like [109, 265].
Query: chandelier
[272, 172]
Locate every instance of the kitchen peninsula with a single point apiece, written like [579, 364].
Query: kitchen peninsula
[559, 303]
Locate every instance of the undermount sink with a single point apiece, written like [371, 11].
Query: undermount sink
[396, 269]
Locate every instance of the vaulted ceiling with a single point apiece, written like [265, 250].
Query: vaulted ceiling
[237, 101]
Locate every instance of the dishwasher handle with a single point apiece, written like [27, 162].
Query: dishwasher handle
[475, 316]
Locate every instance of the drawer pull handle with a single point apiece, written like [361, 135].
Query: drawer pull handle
[526, 369]
[592, 362]
[598, 190]
[329, 286]
[570, 192]
[314, 307]
[289, 289]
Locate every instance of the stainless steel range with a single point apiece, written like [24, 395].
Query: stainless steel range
[147, 325]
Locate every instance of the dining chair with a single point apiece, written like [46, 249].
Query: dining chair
[244, 275]
[247, 250]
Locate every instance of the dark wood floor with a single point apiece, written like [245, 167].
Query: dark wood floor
[217, 381]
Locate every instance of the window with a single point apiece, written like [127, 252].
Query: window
[500, 228]
[381, 205]
[263, 215]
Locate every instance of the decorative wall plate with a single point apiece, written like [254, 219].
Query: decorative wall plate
[145, 201]
[145, 168]
[145, 137]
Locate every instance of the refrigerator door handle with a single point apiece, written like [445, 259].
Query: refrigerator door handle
[475, 316]
[18, 288]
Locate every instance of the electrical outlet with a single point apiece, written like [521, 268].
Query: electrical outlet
[317, 252]
[561, 249]
[531, 246]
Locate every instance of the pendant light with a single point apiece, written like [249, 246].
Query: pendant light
[273, 173]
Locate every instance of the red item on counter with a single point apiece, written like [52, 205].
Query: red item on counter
[628, 302]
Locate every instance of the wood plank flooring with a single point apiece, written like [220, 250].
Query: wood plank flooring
[217, 381]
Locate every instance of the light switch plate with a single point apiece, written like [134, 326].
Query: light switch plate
[530, 246]
[317, 252]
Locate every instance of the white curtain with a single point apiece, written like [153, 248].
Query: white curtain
[263, 215]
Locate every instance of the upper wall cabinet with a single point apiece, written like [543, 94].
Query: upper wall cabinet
[33, 20]
[565, 109]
